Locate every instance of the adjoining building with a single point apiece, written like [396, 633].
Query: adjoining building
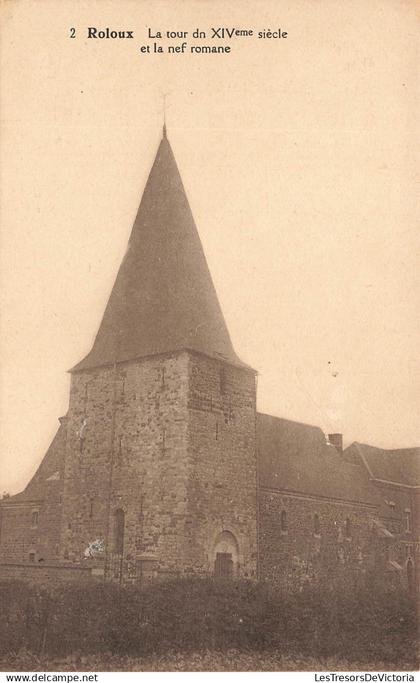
[162, 465]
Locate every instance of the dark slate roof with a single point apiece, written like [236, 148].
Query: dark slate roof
[163, 298]
[400, 465]
[296, 457]
[51, 464]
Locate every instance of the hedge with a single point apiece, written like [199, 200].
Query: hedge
[190, 615]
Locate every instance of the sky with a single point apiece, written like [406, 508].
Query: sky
[298, 158]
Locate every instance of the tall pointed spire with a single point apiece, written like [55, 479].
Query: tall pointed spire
[163, 298]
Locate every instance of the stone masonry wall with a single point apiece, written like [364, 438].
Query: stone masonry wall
[222, 463]
[126, 450]
[397, 501]
[43, 573]
[20, 537]
[295, 552]
[171, 442]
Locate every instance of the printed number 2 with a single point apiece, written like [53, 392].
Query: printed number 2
[72, 33]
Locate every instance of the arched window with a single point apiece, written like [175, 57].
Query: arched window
[317, 525]
[31, 557]
[34, 519]
[348, 528]
[283, 520]
[119, 531]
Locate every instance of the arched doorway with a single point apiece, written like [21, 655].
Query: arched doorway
[119, 528]
[225, 555]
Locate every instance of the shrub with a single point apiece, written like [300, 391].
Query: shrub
[187, 615]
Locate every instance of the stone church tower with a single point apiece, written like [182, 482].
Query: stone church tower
[153, 471]
[160, 455]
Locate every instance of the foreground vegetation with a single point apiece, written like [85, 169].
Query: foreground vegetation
[231, 660]
[201, 625]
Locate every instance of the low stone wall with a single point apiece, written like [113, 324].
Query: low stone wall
[45, 572]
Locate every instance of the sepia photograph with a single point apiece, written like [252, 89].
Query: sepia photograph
[209, 381]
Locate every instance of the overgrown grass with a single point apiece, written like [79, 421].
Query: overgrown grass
[205, 660]
[188, 618]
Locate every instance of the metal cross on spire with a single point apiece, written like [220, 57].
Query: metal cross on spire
[165, 107]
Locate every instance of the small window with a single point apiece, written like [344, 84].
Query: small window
[34, 519]
[119, 531]
[222, 379]
[348, 528]
[317, 525]
[407, 516]
[283, 520]
[91, 508]
[410, 576]
[31, 557]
